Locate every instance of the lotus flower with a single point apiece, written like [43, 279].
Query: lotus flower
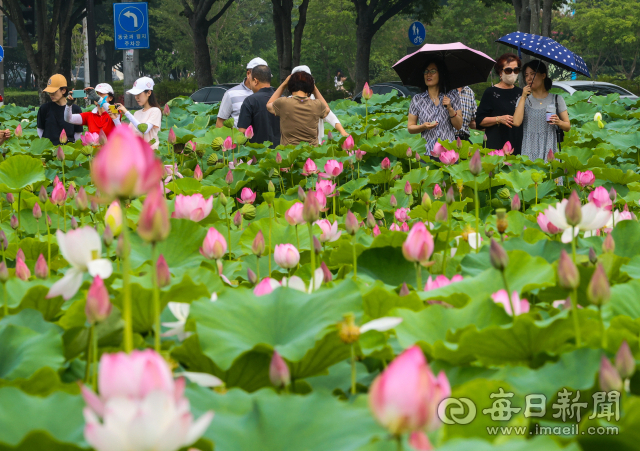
[405, 397]
[214, 245]
[286, 255]
[58, 195]
[266, 286]
[404, 227]
[394, 227]
[126, 166]
[601, 198]
[82, 248]
[499, 153]
[228, 144]
[327, 187]
[418, 246]
[333, 168]
[592, 218]
[359, 154]
[294, 214]
[547, 226]
[153, 223]
[193, 207]
[322, 200]
[585, 178]
[367, 92]
[98, 307]
[441, 281]
[180, 311]
[520, 305]
[402, 214]
[247, 196]
[248, 133]
[330, 231]
[438, 149]
[449, 157]
[171, 172]
[309, 168]
[437, 191]
[22, 270]
[507, 148]
[347, 144]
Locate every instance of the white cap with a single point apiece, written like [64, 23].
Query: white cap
[104, 88]
[140, 85]
[256, 62]
[301, 69]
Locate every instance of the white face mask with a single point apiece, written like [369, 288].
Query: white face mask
[510, 79]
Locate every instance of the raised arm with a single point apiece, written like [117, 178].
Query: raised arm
[276, 95]
[518, 116]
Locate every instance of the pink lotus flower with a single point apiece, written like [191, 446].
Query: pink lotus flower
[22, 270]
[360, 154]
[41, 269]
[228, 144]
[333, 168]
[166, 111]
[294, 214]
[449, 157]
[438, 149]
[172, 136]
[286, 255]
[420, 442]
[367, 92]
[585, 178]
[18, 131]
[322, 199]
[376, 230]
[98, 307]
[37, 211]
[520, 305]
[418, 246]
[437, 191]
[153, 223]
[394, 227]
[193, 207]
[405, 397]
[441, 281]
[248, 133]
[58, 195]
[229, 177]
[265, 286]
[600, 197]
[499, 153]
[247, 196]
[404, 227]
[126, 166]
[330, 231]
[197, 173]
[402, 214]
[214, 245]
[309, 168]
[347, 144]
[385, 164]
[547, 226]
[327, 187]
[507, 148]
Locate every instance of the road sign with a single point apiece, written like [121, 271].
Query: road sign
[131, 25]
[417, 33]
[1, 53]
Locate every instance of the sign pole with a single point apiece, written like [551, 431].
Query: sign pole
[131, 29]
[91, 44]
[1, 62]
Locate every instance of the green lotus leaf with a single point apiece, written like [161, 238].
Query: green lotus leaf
[18, 171]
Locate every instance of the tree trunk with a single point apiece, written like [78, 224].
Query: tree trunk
[201, 58]
[517, 6]
[65, 55]
[282, 25]
[297, 32]
[547, 9]
[534, 5]
[108, 63]
[364, 36]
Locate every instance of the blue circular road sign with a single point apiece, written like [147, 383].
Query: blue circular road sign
[1, 53]
[417, 33]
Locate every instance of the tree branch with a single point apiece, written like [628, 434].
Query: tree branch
[392, 11]
[215, 18]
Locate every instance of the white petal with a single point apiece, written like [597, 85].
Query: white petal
[100, 267]
[556, 215]
[67, 286]
[295, 283]
[199, 427]
[202, 379]
[381, 324]
[475, 240]
[568, 236]
[180, 310]
[317, 280]
[214, 296]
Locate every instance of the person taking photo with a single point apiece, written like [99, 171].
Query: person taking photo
[50, 120]
[150, 114]
[104, 116]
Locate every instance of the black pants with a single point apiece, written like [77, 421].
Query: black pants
[464, 136]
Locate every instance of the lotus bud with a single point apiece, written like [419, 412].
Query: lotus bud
[166, 111]
[74, 223]
[598, 290]
[229, 178]
[568, 274]
[392, 201]
[593, 258]
[407, 188]
[197, 173]
[550, 155]
[42, 195]
[71, 193]
[348, 331]
[63, 136]
[18, 131]
[278, 158]
[409, 152]
[449, 197]
[311, 208]
[223, 199]
[60, 154]
[330, 136]
[484, 138]
[10, 198]
[379, 215]
[82, 201]
[37, 211]
[258, 246]
[93, 206]
[49, 220]
[613, 195]
[316, 245]
[404, 290]
[573, 211]
[301, 194]
[22, 270]
[14, 222]
[609, 377]
[442, 213]
[609, 246]
[501, 220]
[326, 274]
[426, 202]
[279, 373]
[98, 306]
[625, 363]
[475, 164]
[498, 256]
[162, 272]
[41, 269]
[417, 156]
[271, 187]
[385, 164]
[172, 136]
[20, 255]
[251, 276]
[107, 236]
[351, 223]
[4, 242]
[367, 92]
[515, 203]
[237, 218]
[102, 138]
[248, 133]
[4, 272]
[370, 220]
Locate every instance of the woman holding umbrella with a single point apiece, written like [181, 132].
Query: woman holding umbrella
[541, 113]
[435, 113]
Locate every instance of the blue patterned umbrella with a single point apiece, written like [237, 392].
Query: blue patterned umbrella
[545, 49]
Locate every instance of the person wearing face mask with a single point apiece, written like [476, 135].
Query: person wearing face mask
[498, 104]
[104, 116]
[541, 114]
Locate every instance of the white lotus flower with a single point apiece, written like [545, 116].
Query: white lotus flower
[381, 324]
[202, 379]
[592, 218]
[297, 283]
[82, 248]
[181, 311]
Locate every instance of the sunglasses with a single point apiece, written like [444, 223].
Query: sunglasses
[431, 72]
[509, 71]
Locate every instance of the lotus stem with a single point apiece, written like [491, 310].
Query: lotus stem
[398, 442]
[94, 358]
[353, 368]
[46, 221]
[355, 258]
[475, 195]
[418, 277]
[269, 206]
[229, 232]
[6, 299]
[313, 255]
[574, 314]
[19, 208]
[446, 244]
[573, 243]
[126, 268]
[88, 357]
[156, 298]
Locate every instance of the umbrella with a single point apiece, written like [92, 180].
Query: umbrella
[465, 66]
[545, 49]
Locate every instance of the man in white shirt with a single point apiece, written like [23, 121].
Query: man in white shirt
[233, 98]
